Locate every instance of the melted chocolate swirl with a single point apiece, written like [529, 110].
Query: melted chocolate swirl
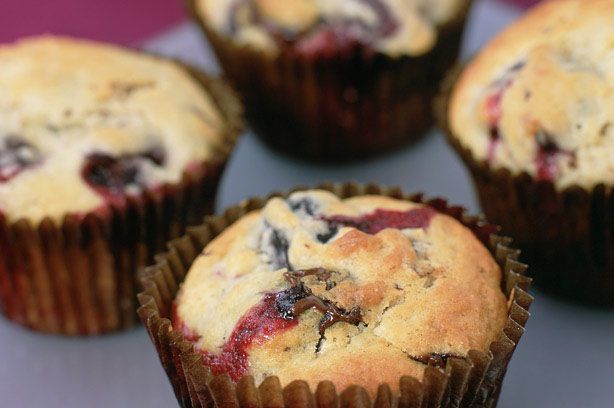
[299, 298]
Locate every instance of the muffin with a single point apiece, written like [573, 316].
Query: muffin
[345, 294]
[338, 79]
[105, 153]
[533, 117]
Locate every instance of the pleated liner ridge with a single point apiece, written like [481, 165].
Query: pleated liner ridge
[474, 381]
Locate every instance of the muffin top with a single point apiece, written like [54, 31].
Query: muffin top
[356, 291]
[540, 97]
[324, 27]
[83, 124]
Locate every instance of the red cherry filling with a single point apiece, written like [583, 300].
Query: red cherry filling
[260, 323]
[331, 40]
[275, 313]
[493, 112]
[493, 108]
[381, 219]
[16, 155]
[111, 176]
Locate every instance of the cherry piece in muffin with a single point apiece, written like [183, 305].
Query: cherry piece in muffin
[380, 219]
[493, 107]
[548, 154]
[118, 175]
[343, 35]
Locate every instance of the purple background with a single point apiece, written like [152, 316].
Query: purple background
[120, 21]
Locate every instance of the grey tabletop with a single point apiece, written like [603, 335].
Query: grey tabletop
[565, 359]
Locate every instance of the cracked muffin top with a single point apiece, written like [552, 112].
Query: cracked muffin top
[356, 291]
[540, 97]
[85, 123]
[321, 27]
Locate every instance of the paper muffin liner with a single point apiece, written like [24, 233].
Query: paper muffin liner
[567, 236]
[344, 107]
[474, 381]
[78, 276]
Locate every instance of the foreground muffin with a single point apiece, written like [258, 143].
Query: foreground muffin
[335, 79]
[533, 117]
[314, 288]
[105, 153]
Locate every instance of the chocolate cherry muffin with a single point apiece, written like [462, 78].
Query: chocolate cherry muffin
[105, 153]
[363, 290]
[533, 117]
[330, 79]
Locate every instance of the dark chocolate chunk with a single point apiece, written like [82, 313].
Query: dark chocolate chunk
[286, 300]
[433, 359]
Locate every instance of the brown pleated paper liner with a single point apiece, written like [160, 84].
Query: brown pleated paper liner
[567, 236]
[78, 277]
[344, 107]
[474, 381]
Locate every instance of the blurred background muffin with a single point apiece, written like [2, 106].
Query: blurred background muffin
[335, 79]
[533, 117]
[105, 153]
